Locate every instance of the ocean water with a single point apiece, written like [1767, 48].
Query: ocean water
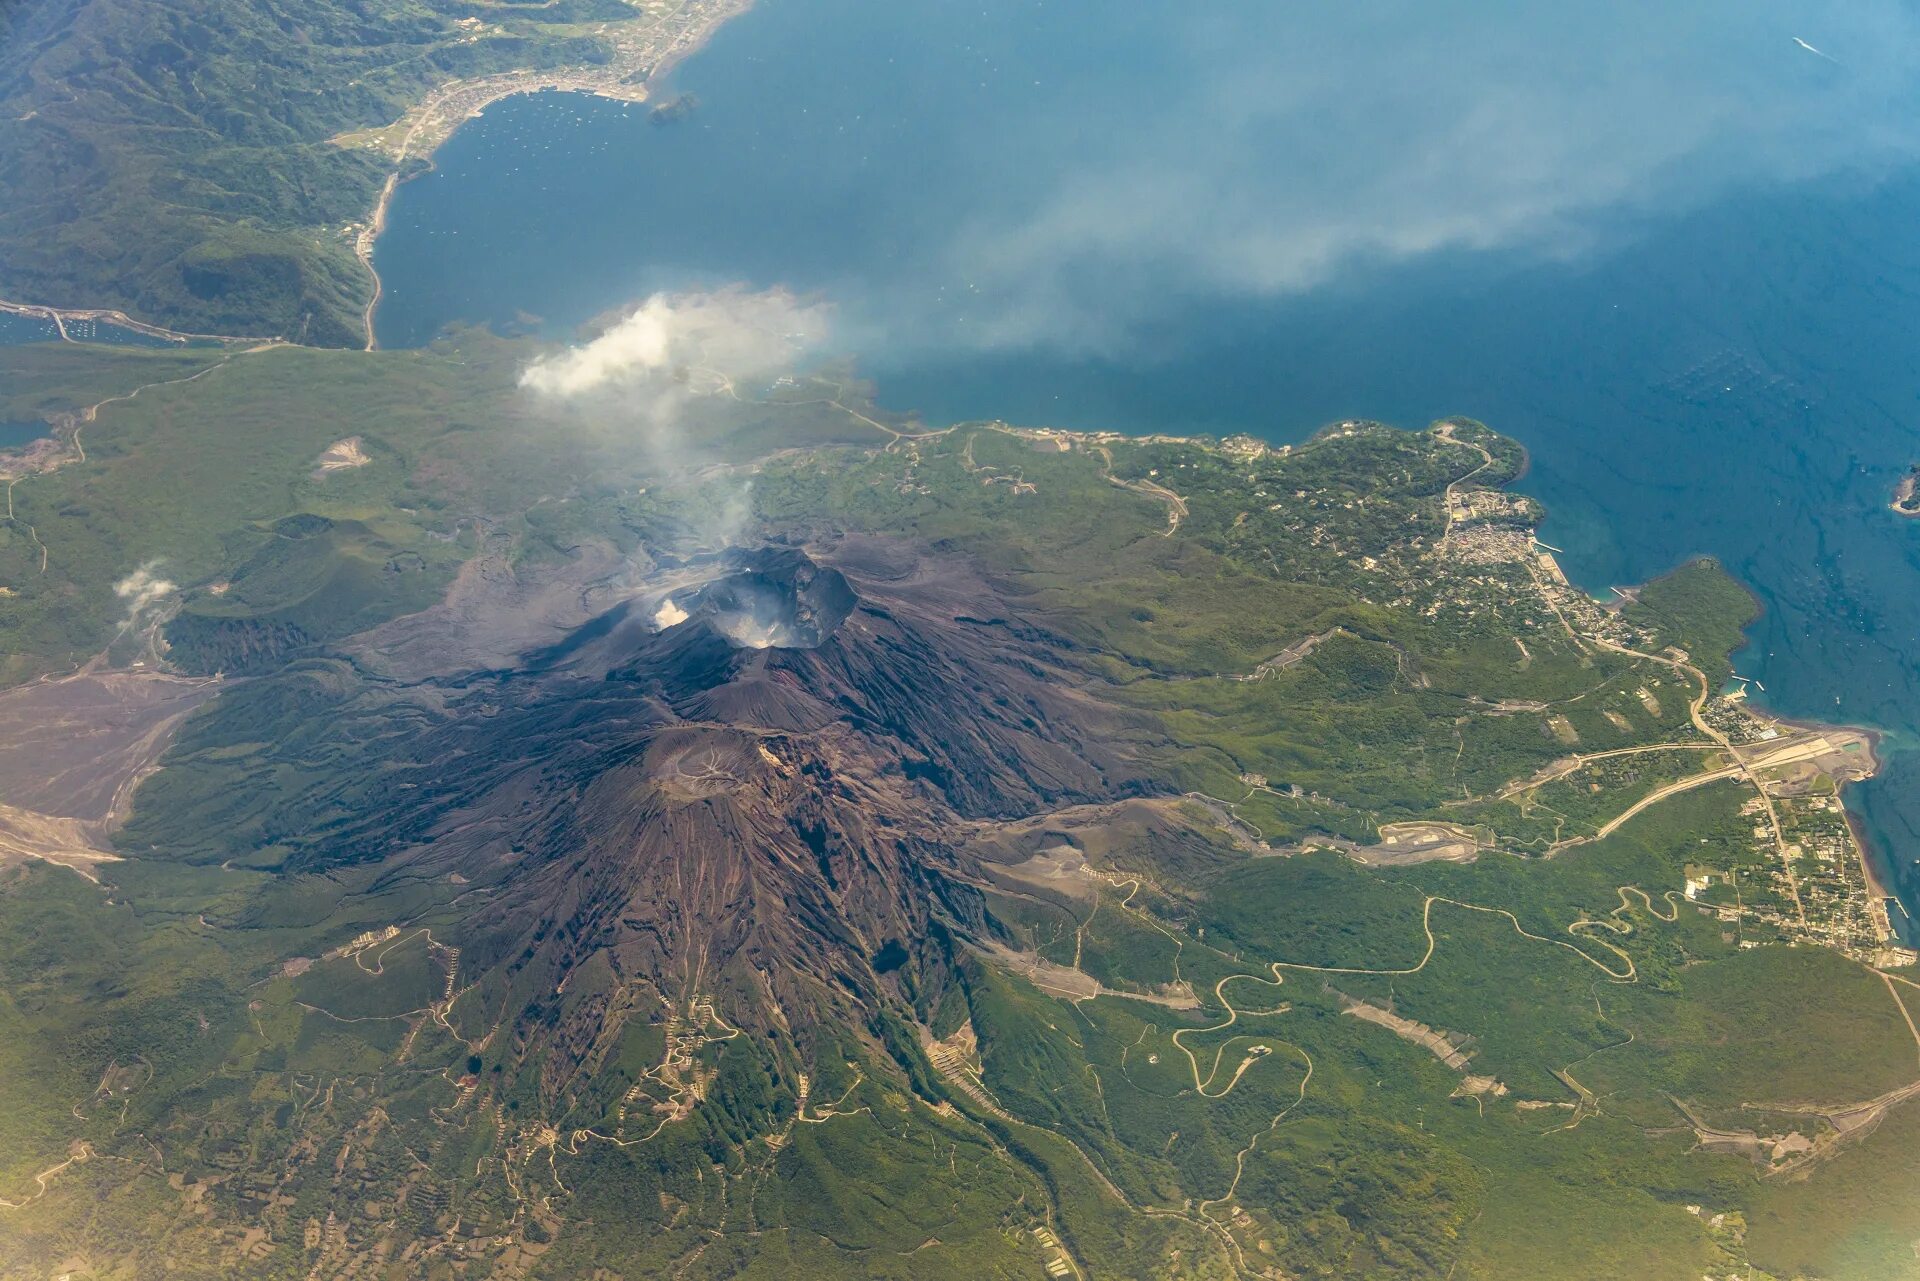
[1668, 247]
[14, 435]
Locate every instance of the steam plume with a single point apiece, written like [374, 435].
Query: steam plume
[143, 588]
[671, 340]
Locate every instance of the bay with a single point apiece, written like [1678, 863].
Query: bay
[1706, 351]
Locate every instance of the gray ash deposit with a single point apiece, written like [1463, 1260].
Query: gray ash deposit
[777, 598]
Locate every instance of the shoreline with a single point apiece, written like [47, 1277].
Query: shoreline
[363, 250]
[1875, 886]
[1873, 736]
[655, 51]
[1901, 936]
[1864, 848]
[1902, 933]
[1905, 493]
[655, 48]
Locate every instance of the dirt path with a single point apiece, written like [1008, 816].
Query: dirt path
[894, 432]
[33, 534]
[1575, 763]
[1445, 432]
[82, 1151]
[1072, 984]
[1627, 975]
[1654, 797]
[1233, 1016]
[1176, 505]
[1240, 1157]
[725, 385]
[1696, 713]
[1905, 1013]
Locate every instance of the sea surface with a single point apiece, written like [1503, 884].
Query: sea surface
[1670, 248]
[14, 435]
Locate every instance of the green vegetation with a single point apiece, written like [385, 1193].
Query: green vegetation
[1316, 909]
[341, 976]
[173, 161]
[200, 481]
[1701, 610]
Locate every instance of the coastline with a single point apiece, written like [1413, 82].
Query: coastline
[363, 250]
[648, 54]
[1873, 736]
[1902, 931]
[1875, 885]
[1906, 495]
[1856, 917]
[1895, 941]
[1902, 935]
[1906, 932]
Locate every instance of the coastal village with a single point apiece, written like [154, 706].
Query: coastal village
[1818, 886]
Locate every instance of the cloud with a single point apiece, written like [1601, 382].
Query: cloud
[1280, 148]
[673, 345]
[637, 377]
[143, 588]
[1085, 177]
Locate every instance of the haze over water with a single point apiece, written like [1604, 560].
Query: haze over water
[1672, 253]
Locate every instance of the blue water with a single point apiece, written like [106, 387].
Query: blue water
[1664, 246]
[16, 329]
[14, 435]
[25, 329]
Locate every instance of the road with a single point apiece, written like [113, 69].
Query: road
[1696, 713]
[61, 316]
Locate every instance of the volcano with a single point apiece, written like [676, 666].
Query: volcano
[772, 803]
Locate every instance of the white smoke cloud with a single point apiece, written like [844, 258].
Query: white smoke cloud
[143, 588]
[673, 345]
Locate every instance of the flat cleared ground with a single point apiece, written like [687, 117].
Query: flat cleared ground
[1407, 843]
[77, 746]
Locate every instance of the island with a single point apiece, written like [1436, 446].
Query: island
[673, 110]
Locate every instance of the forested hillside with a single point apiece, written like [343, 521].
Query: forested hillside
[172, 160]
